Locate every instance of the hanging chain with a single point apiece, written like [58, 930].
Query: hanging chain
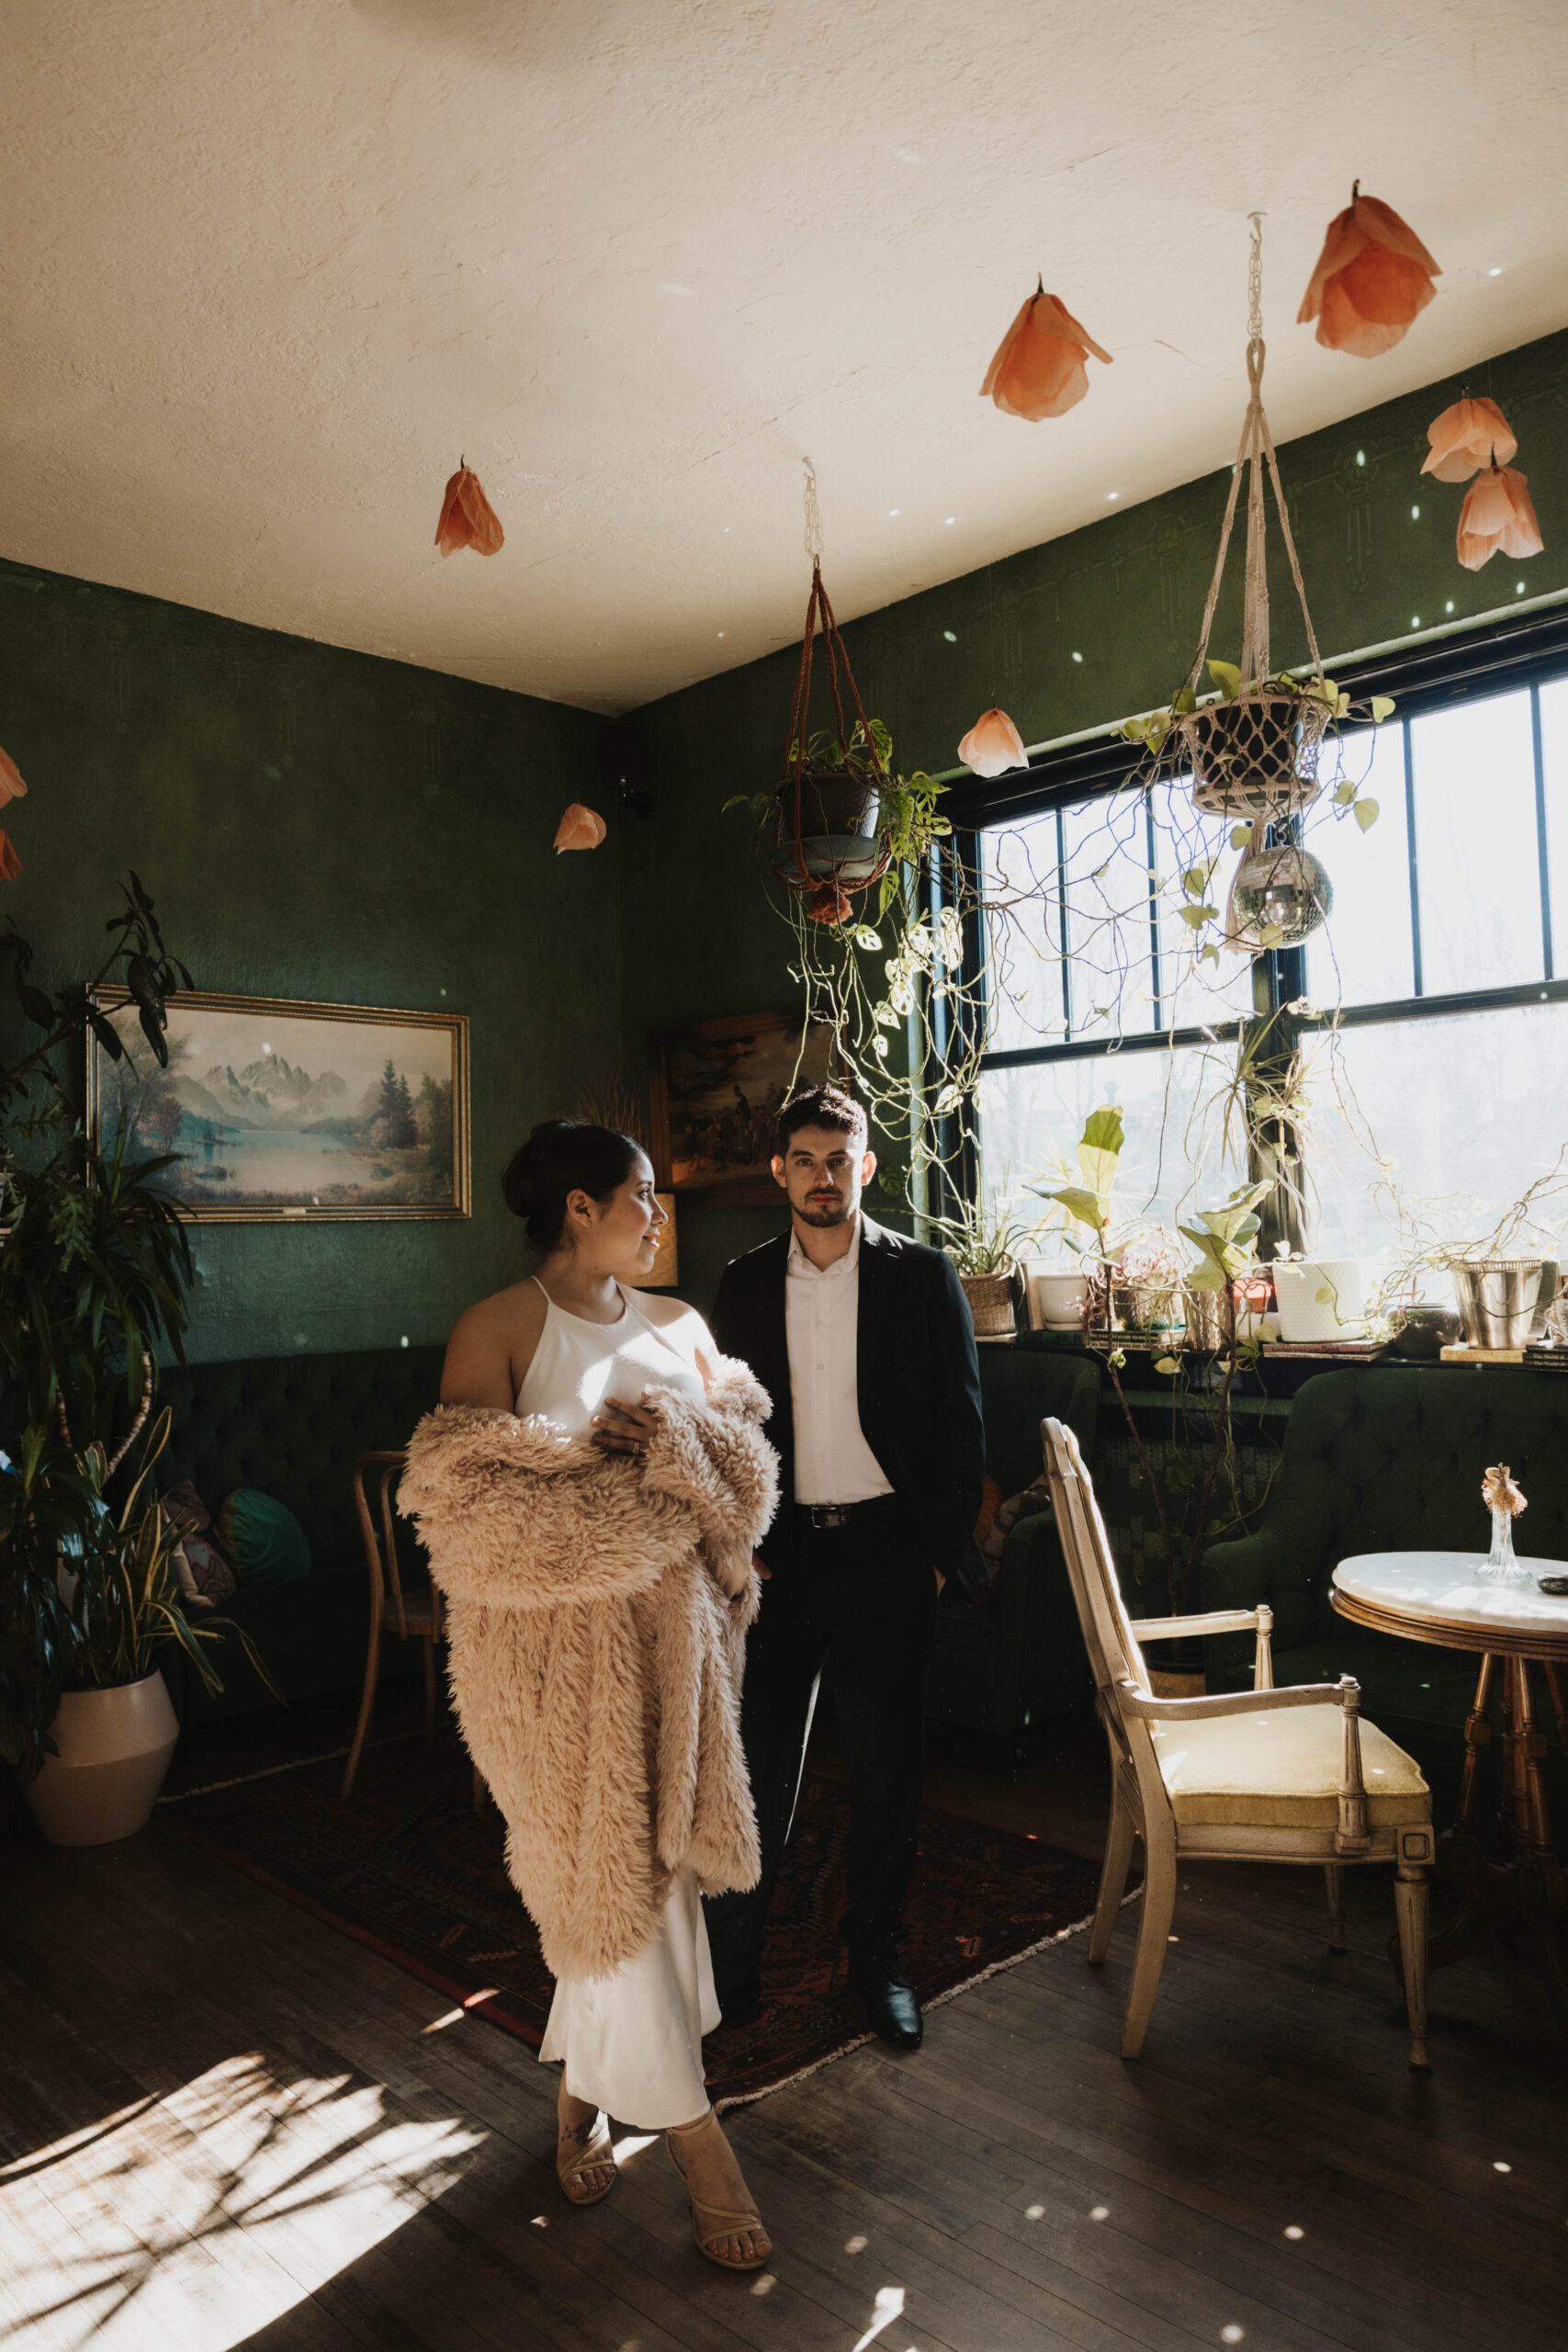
[813, 516]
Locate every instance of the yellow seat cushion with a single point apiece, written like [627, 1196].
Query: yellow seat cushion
[1280, 1769]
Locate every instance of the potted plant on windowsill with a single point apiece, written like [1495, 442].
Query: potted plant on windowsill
[103, 1595]
[986, 1244]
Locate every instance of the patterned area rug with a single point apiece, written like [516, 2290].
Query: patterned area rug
[410, 1870]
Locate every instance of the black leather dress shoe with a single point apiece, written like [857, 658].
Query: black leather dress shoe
[892, 2011]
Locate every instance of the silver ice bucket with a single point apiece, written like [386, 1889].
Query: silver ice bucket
[1498, 1298]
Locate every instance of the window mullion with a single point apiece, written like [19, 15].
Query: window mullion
[1414, 857]
[1541, 841]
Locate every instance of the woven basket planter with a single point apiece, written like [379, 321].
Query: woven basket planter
[1255, 757]
[993, 1303]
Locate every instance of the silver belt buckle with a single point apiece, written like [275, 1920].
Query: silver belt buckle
[829, 1514]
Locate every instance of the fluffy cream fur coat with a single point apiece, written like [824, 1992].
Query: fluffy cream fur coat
[594, 1661]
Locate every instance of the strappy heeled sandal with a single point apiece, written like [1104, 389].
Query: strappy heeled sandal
[576, 2173]
[711, 2223]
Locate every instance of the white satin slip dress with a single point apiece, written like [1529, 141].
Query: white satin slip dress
[633, 2042]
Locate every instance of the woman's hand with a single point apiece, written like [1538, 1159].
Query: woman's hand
[625, 1428]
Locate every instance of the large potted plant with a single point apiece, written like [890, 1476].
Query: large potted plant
[107, 1597]
[95, 1272]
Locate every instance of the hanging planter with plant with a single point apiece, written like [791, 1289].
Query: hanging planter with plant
[1253, 753]
[841, 819]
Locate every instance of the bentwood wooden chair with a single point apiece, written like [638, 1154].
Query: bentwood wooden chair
[1262, 1776]
[411, 1613]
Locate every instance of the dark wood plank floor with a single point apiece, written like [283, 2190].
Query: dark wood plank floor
[223, 2123]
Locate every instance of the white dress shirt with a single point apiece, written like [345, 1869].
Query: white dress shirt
[833, 1462]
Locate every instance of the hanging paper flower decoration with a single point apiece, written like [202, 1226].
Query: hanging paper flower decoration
[1497, 514]
[580, 828]
[1039, 371]
[11, 785]
[993, 745]
[10, 864]
[1372, 278]
[829, 904]
[467, 519]
[1466, 437]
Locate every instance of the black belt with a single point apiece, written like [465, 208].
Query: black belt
[821, 1515]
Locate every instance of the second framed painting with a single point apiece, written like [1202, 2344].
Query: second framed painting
[273, 1109]
[715, 1093]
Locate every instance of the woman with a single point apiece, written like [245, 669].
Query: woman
[589, 1491]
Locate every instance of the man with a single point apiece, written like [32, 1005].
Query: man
[865, 1343]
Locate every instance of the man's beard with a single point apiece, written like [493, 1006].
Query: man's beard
[824, 1218]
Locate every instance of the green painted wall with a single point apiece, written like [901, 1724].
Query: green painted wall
[318, 824]
[1126, 593]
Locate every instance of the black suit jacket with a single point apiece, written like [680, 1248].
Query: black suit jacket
[918, 1380]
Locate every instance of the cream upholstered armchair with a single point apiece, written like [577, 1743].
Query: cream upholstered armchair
[1265, 1775]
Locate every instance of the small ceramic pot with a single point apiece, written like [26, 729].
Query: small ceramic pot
[1056, 1298]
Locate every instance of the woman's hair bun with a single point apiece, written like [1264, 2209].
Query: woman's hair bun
[561, 1156]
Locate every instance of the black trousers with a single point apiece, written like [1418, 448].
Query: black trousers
[852, 1608]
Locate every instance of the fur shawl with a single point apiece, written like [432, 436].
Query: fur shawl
[594, 1661]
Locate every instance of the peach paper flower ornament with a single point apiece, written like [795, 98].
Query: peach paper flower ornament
[580, 828]
[993, 745]
[11, 785]
[10, 864]
[1372, 278]
[1466, 437]
[467, 519]
[1497, 515]
[1039, 370]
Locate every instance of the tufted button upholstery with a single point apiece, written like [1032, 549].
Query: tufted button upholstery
[294, 1426]
[1389, 1460]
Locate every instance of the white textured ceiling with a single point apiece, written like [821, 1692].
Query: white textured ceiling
[271, 266]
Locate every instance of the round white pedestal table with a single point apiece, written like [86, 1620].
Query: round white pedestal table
[1435, 1597]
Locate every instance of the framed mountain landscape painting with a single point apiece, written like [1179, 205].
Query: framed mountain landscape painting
[272, 1109]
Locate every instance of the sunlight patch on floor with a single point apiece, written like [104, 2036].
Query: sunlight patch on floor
[233, 2198]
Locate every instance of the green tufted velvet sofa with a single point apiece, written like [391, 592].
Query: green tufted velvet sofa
[1018, 1659]
[294, 1426]
[1389, 1460]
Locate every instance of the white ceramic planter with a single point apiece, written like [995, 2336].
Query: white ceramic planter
[1302, 1315]
[114, 1747]
[1055, 1296]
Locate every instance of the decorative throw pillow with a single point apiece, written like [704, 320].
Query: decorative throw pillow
[211, 1572]
[202, 1570]
[184, 1508]
[262, 1538]
[1005, 1517]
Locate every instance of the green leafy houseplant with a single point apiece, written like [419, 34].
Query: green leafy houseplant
[127, 1601]
[95, 1274]
[983, 1239]
[1196, 1496]
[901, 812]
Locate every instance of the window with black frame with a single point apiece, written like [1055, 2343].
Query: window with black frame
[1435, 1057]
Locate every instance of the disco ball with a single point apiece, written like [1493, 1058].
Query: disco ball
[1284, 891]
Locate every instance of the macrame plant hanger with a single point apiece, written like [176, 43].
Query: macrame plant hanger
[1256, 756]
[823, 868]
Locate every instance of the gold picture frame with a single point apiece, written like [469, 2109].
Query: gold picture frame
[285, 1111]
